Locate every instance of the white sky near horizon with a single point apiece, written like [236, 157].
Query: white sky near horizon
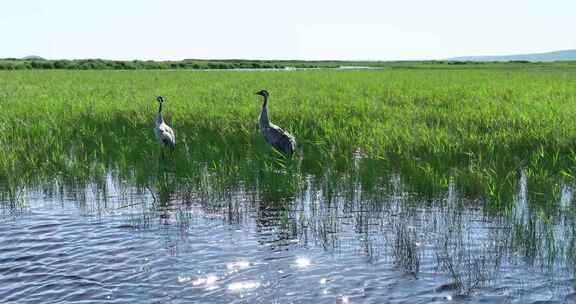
[297, 29]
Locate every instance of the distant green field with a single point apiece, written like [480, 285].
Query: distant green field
[476, 124]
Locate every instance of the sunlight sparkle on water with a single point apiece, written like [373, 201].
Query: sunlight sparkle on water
[303, 262]
[183, 279]
[207, 280]
[243, 286]
[238, 265]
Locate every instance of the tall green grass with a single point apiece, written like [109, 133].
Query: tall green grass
[478, 126]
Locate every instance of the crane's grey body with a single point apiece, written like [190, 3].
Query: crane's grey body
[164, 133]
[274, 135]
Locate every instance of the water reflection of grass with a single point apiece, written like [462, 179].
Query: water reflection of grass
[382, 218]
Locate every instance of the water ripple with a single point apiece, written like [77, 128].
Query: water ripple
[232, 249]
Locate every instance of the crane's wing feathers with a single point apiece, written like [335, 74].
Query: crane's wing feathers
[280, 139]
[165, 135]
[167, 141]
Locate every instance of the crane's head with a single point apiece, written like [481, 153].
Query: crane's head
[160, 99]
[262, 93]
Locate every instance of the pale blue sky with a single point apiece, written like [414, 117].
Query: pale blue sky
[295, 29]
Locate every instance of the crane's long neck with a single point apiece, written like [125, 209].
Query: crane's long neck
[264, 114]
[159, 118]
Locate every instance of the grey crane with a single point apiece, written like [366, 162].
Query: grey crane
[164, 133]
[274, 135]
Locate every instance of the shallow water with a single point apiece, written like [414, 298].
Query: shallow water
[116, 242]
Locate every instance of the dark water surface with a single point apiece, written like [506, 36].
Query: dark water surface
[115, 242]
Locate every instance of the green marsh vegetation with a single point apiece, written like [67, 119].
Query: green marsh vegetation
[477, 125]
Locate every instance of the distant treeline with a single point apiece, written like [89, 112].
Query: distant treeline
[196, 64]
[199, 64]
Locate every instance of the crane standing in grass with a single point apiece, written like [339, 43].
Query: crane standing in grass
[164, 133]
[274, 135]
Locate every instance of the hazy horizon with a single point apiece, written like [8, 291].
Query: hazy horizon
[323, 30]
